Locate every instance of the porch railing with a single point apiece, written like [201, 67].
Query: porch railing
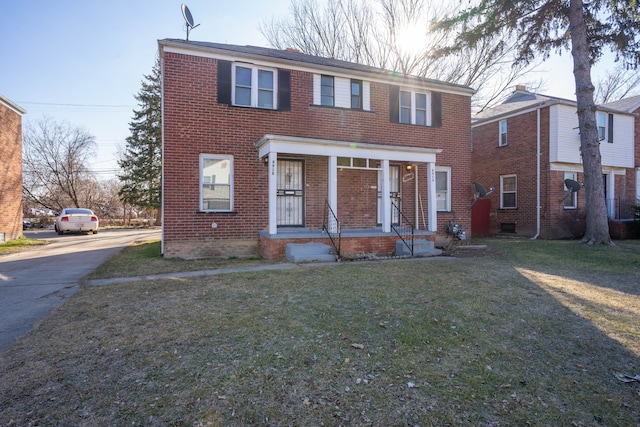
[331, 226]
[404, 228]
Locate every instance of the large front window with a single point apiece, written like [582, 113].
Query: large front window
[216, 183]
[254, 87]
[508, 192]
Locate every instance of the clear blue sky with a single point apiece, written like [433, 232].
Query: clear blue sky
[82, 62]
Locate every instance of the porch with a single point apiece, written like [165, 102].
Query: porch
[365, 196]
[353, 243]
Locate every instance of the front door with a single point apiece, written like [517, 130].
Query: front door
[394, 190]
[290, 198]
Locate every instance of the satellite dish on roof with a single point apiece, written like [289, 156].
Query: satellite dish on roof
[572, 187]
[188, 19]
[480, 193]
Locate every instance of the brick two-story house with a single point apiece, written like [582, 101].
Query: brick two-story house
[11, 170]
[529, 145]
[261, 145]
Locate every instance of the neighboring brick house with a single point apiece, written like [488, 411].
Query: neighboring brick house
[258, 142]
[530, 198]
[11, 170]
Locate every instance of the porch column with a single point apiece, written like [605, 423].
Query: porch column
[610, 191]
[333, 192]
[386, 197]
[432, 208]
[273, 193]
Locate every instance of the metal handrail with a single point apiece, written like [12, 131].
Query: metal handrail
[404, 229]
[331, 226]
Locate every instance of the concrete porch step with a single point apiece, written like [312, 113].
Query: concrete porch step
[421, 248]
[309, 252]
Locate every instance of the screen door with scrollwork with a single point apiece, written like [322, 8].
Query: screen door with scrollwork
[290, 189]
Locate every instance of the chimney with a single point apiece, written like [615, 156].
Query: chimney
[521, 87]
[292, 49]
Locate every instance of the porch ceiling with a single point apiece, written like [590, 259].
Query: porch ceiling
[326, 147]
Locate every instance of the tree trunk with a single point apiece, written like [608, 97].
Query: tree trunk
[597, 221]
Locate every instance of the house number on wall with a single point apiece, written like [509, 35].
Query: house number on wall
[273, 167]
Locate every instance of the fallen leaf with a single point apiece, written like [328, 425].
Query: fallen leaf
[358, 346]
[344, 336]
[382, 325]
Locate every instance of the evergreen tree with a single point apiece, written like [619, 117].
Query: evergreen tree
[583, 27]
[141, 162]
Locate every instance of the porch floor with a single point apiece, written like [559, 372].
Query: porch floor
[352, 241]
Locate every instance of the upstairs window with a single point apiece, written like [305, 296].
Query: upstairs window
[605, 127]
[503, 133]
[508, 192]
[356, 94]
[327, 91]
[415, 108]
[245, 85]
[602, 126]
[254, 87]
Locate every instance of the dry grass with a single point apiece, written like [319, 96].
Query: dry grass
[530, 333]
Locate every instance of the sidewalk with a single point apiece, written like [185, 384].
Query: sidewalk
[287, 266]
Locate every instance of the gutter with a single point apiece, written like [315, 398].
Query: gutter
[538, 207]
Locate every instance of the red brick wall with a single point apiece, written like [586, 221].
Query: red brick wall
[195, 123]
[10, 173]
[518, 158]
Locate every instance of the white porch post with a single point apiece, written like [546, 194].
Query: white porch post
[333, 192]
[273, 193]
[432, 208]
[611, 193]
[385, 196]
[416, 197]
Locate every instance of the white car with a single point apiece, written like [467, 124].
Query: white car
[76, 219]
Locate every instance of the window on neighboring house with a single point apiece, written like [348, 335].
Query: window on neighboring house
[602, 126]
[570, 202]
[443, 184]
[356, 94]
[327, 92]
[508, 191]
[414, 108]
[254, 87]
[503, 133]
[216, 183]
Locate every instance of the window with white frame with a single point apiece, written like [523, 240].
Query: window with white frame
[503, 133]
[327, 91]
[570, 201]
[254, 87]
[356, 94]
[443, 186]
[508, 191]
[415, 108]
[602, 126]
[216, 183]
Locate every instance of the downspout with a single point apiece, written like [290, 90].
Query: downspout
[538, 208]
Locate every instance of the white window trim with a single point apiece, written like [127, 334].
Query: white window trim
[604, 127]
[204, 157]
[500, 133]
[254, 85]
[413, 106]
[448, 201]
[574, 196]
[502, 177]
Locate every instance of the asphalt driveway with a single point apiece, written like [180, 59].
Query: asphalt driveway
[36, 281]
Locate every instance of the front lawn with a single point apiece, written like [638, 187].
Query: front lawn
[523, 333]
